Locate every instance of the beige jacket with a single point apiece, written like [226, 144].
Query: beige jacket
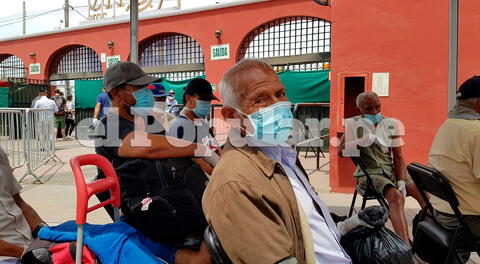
[251, 205]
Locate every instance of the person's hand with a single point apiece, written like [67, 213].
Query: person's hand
[402, 187]
[95, 122]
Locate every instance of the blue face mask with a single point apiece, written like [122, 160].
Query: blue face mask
[272, 124]
[144, 101]
[202, 108]
[374, 118]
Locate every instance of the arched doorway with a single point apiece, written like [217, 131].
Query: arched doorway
[11, 66]
[77, 70]
[298, 48]
[297, 43]
[172, 55]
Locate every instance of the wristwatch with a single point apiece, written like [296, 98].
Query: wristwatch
[37, 229]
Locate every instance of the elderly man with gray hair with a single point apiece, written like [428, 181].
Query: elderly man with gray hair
[376, 140]
[259, 200]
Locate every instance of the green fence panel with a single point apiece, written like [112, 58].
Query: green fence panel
[306, 86]
[3, 96]
[86, 92]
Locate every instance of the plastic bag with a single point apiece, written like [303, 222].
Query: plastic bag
[376, 245]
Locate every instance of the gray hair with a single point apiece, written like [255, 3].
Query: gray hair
[228, 87]
[362, 97]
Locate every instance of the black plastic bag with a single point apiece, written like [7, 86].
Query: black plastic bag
[376, 245]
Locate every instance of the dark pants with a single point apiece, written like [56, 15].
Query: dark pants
[451, 222]
[70, 126]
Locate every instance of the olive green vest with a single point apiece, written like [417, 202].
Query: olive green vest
[376, 157]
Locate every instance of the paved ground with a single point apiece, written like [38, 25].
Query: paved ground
[55, 199]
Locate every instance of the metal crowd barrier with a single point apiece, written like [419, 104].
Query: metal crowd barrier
[12, 135]
[26, 135]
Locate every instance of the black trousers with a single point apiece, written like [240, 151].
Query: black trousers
[70, 126]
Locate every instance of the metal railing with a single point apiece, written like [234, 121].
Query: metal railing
[26, 135]
[12, 135]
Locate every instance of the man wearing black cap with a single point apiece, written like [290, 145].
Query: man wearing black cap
[455, 152]
[190, 124]
[123, 134]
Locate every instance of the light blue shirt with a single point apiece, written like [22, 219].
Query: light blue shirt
[45, 103]
[326, 238]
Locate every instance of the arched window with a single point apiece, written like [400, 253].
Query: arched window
[75, 62]
[291, 43]
[172, 55]
[11, 66]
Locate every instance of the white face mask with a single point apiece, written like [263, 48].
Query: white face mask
[161, 106]
[171, 97]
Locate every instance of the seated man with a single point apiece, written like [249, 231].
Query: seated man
[159, 110]
[190, 124]
[259, 201]
[18, 220]
[455, 152]
[379, 144]
[122, 135]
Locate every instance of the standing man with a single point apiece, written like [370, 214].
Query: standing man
[44, 103]
[171, 102]
[36, 98]
[455, 152]
[259, 201]
[103, 102]
[18, 220]
[70, 122]
[377, 140]
[60, 115]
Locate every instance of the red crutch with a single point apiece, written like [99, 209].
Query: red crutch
[86, 190]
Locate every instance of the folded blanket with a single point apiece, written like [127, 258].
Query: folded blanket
[116, 243]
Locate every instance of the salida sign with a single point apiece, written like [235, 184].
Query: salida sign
[220, 52]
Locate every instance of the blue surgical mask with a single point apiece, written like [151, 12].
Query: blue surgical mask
[272, 124]
[144, 101]
[374, 118]
[202, 108]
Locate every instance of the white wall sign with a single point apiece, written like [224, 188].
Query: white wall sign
[381, 83]
[220, 52]
[214, 87]
[103, 57]
[34, 68]
[112, 60]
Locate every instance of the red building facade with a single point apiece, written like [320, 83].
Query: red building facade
[407, 40]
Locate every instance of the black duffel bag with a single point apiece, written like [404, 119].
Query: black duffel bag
[162, 198]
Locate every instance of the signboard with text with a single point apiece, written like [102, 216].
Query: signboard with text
[34, 68]
[220, 52]
[112, 60]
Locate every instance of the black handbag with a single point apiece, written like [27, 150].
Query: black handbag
[162, 198]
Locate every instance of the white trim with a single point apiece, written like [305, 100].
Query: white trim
[142, 16]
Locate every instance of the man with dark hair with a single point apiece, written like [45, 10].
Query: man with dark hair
[190, 124]
[160, 107]
[455, 152]
[60, 114]
[124, 134]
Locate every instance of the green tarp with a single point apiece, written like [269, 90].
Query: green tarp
[3, 96]
[302, 87]
[307, 86]
[86, 92]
